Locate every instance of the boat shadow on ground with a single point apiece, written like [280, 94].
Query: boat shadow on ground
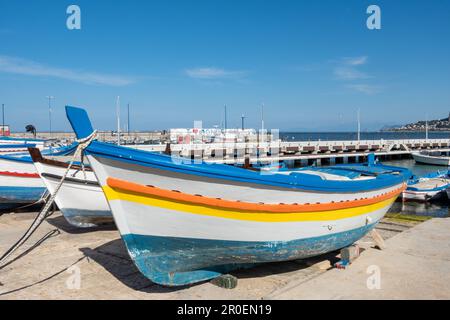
[114, 258]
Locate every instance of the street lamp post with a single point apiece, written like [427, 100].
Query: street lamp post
[3, 119]
[50, 113]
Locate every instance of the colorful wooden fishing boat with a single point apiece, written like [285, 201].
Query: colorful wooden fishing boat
[186, 222]
[80, 198]
[427, 188]
[20, 184]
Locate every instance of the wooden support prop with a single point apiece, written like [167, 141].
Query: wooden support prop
[378, 239]
[226, 281]
[350, 253]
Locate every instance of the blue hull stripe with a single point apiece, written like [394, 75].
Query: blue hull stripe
[13, 197]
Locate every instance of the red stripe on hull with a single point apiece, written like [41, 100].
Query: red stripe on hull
[18, 174]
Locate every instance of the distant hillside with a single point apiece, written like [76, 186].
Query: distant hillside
[433, 125]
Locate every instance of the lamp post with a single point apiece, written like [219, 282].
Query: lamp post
[118, 119]
[128, 119]
[50, 113]
[3, 117]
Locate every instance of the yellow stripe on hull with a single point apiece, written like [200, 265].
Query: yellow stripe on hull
[114, 194]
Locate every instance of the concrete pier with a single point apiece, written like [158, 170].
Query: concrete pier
[93, 264]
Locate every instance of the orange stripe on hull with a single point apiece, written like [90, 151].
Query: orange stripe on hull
[151, 191]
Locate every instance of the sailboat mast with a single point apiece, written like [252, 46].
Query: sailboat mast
[359, 124]
[118, 119]
[262, 117]
[225, 120]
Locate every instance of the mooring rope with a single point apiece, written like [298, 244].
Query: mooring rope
[43, 199]
[82, 144]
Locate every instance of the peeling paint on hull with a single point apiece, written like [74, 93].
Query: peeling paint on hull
[181, 261]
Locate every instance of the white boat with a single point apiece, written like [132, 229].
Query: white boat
[427, 188]
[80, 198]
[20, 184]
[431, 158]
[184, 222]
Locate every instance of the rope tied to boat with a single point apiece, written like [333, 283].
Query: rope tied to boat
[44, 213]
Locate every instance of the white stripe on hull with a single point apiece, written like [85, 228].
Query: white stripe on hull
[135, 218]
[18, 167]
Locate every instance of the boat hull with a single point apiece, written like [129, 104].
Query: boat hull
[181, 261]
[80, 198]
[431, 160]
[422, 196]
[19, 184]
[177, 243]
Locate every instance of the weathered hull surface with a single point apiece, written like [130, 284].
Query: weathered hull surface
[80, 198]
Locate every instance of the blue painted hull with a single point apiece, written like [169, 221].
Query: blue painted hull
[181, 261]
[13, 197]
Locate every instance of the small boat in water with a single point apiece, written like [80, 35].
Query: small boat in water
[80, 198]
[184, 222]
[20, 184]
[427, 188]
[431, 158]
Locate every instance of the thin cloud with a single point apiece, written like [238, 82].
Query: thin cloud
[365, 88]
[209, 73]
[347, 73]
[356, 61]
[347, 68]
[30, 68]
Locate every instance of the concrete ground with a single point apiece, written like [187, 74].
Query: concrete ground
[415, 265]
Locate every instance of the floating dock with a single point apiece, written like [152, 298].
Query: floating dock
[71, 263]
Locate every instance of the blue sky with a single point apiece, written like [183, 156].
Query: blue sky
[312, 63]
